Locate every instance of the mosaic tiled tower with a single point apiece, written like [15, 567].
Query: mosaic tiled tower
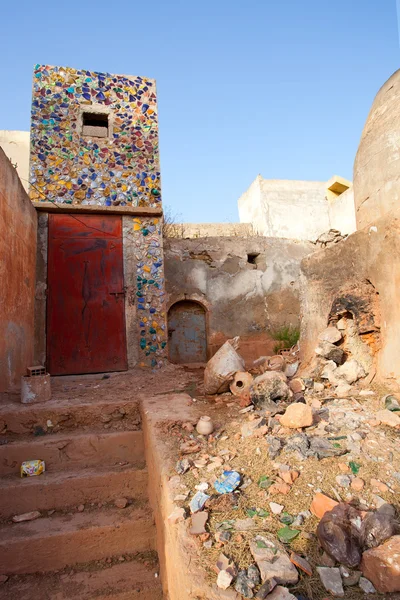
[94, 138]
[94, 142]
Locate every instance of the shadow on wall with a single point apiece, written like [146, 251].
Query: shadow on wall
[187, 332]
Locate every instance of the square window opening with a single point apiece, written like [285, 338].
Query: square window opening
[252, 258]
[95, 124]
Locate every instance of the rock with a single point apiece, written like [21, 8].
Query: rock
[343, 390]
[253, 575]
[224, 580]
[3, 578]
[279, 593]
[275, 446]
[297, 386]
[265, 589]
[182, 466]
[391, 403]
[357, 484]
[318, 387]
[326, 561]
[338, 533]
[322, 448]
[291, 368]
[177, 515]
[331, 580]
[298, 443]
[391, 419]
[343, 480]
[296, 416]
[351, 371]
[378, 486]
[322, 504]
[272, 560]
[268, 388]
[199, 520]
[366, 586]
[301, 563]
[328, 368]
[81, 508]
[330, 352]
[376, 528]
[276, 508]
[349, 577]
[243, 586]
[341, 324]
[121, 503]
[244, 524]
[381, 566]
[330, 334]
[30, 516]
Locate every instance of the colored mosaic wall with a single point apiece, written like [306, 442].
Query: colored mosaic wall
[150, 290]
[111, 163]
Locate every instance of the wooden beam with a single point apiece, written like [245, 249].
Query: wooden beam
[134, 211]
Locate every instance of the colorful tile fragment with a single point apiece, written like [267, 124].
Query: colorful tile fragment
[68, 166]
[150, 290]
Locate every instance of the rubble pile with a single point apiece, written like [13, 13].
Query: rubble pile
[293, 495]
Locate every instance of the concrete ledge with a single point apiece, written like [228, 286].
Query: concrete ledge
[138, 211]
[181, 573]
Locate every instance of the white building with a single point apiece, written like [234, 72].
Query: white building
[300, 210]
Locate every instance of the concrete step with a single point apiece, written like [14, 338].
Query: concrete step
[74, 450]
[131, 580]
[57, 416]
[52, 543]
[66, 489]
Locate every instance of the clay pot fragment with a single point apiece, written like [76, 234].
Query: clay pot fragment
[241, 383]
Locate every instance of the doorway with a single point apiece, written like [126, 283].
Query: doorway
[86, 299]
[187, 336]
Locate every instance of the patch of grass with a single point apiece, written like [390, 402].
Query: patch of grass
[286, 336]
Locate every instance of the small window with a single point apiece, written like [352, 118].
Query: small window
[95, 124]
[252, 258]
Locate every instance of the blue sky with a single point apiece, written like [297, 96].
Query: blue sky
[277, 87]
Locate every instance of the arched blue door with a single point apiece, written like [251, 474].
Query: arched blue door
[187, 333]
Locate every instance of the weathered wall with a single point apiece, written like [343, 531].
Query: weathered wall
[342, 215]
[286, 209]
[369, 257]
[241, 298]
[298, 210]
[199, 230]
[377, 163]
[16, 146]
[71, 165]
[18, 225]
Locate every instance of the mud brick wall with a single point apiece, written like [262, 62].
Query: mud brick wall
[360, 275]
[248, 286]
[18, 224]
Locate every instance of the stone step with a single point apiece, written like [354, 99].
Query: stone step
[125, 581]
[52, 543]
[56, 416]
[74, 450]
[66, 489]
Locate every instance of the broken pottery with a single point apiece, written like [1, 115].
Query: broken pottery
[222, 367]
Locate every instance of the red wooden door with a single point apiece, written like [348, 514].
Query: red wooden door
[86, 303]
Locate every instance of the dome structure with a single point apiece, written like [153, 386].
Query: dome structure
[377, 164]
